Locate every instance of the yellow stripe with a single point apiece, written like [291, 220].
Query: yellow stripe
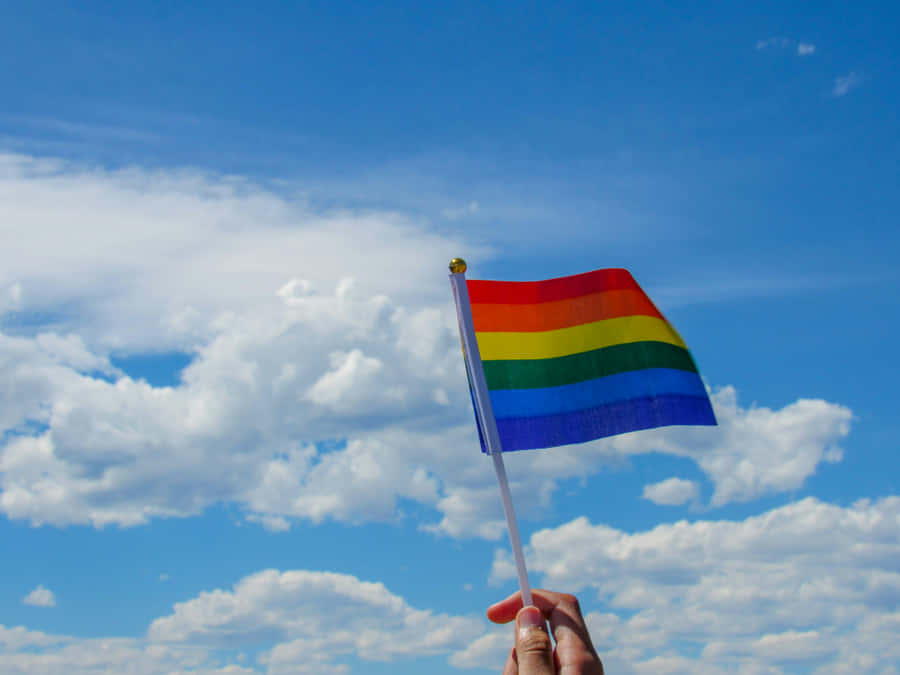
[576, 339]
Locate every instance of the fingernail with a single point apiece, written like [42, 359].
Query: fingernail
[530, 617]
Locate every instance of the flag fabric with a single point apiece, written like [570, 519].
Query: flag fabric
[572, 359]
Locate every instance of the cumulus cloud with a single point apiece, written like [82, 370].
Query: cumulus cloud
[805, 49]
[803, 585]
[671, 491]
[490, 649]
[324, 384]
[18, 638]
[310, 613]
[755, 451]
[25, 652]
[844, 84]
[254, 424]
[150, 259]
[249, 421]
[299, 621]
[40, 597]
[344, 387]
[323, 387]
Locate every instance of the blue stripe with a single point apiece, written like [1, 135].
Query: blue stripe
[525, 433]
[635, 384]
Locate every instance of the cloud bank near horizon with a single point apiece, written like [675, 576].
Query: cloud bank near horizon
[808, 585]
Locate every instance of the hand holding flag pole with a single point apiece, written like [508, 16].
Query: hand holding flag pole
[485, 416]
[569, 360]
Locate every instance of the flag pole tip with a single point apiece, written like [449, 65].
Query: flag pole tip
[457, 266]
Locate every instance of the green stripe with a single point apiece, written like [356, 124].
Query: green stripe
[586, 365]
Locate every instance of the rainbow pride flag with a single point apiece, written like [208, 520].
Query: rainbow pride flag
[572, 359]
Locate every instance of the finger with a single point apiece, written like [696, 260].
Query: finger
[561, 609]
[534, 649]
[505, 610]
[511, 667]
[566, 621]
[574, 652]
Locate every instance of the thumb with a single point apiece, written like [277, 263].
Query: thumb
[534, 650]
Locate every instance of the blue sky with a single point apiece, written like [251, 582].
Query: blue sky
[236, 436]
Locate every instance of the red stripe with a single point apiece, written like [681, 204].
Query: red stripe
[549, 290]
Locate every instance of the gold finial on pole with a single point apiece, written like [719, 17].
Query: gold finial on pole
[457, 265]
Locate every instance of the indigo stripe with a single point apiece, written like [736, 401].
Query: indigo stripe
[525, 433]
[636, 384]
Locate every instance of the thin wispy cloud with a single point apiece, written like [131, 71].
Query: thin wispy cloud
[772, 42]
[781, 42]
[844, 84]
[82, 130]
[460, 212]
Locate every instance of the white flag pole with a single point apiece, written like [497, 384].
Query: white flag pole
[486, 415]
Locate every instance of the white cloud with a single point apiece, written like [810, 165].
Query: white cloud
[11, 298]
[19, 638]
[769, 43]
[40, 597]
[246, 421]
[755, 451]
[102, 133]
[488, 650]
[271, 523]
[671, 491]
[253, 423]
[302, 621]
[806, 585]
[313, 613]
[150, 259]
[780, 42]
[845, 83]
[327, 381]
[25, 652]
[344, 387]
[469, 209]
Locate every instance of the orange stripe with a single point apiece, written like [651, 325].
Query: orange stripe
[562, 313]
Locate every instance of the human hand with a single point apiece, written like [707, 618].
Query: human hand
[533, 653]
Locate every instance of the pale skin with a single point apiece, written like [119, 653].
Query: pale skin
[533, 653]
